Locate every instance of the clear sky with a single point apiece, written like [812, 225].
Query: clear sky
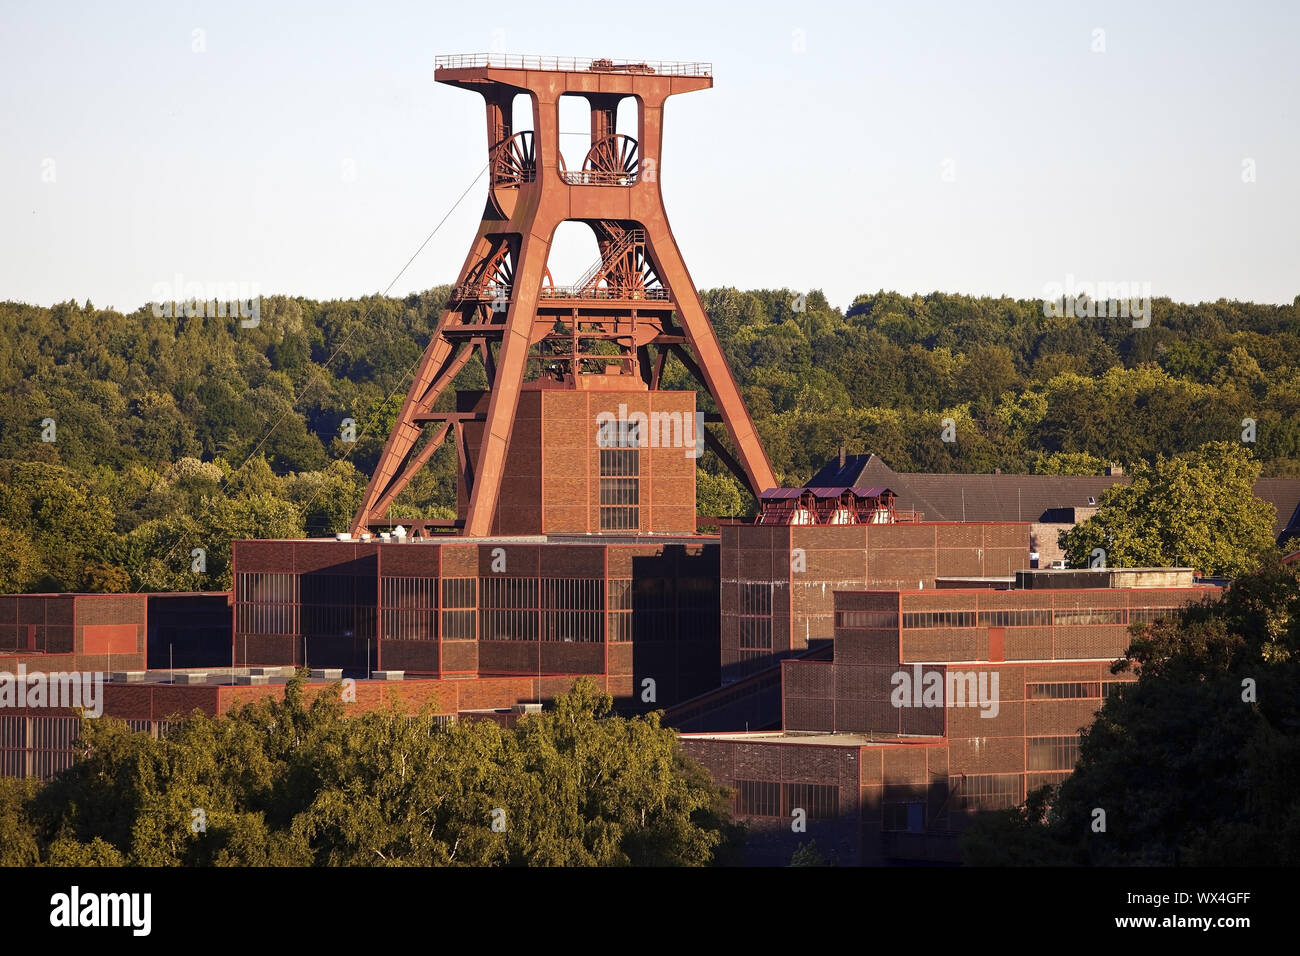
[964, 147]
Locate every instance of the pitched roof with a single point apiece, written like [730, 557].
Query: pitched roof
[962, 497]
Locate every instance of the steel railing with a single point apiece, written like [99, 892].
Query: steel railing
[598, 177]
[577, 292]
[570, 64]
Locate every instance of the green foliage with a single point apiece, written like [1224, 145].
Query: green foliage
[1198, 763]
[1196, 510]
[292, 782]
[807, 854]
[160, 420]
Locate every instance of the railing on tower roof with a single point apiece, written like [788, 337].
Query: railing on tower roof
[569, 64]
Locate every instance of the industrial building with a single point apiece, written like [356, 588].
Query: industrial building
[773, 645]
[936, 704]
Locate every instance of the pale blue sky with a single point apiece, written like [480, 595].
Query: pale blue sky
[816, 169]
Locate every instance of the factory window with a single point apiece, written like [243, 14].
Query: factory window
[572, 609]
[265, 603]
[620, 469]
[758, 798]
[459, 600]
[509, 610]
[620, 609]
[1062, 690]
[1018, 618]
[1045, 779]
[886, 619]
[1111, 687]
[755, 609]
[819, 801]
[1052, 753]
[337, 605]
[985, 791]
[1088, 616]
[410, 608]
[939, 619]
[1148, 614]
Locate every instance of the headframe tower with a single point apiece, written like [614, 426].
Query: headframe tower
[613, 328]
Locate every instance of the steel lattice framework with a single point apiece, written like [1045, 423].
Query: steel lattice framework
[633, 308]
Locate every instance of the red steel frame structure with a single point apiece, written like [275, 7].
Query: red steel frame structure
[634, 307]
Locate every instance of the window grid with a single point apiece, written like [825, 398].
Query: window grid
[1062, 690]
[410, 608]
[819, 801]
[620, 470]
[758, 798]
[459, 609]
[887, 619]
[755, 613]
[266, 603]
[924, 619]
[1052, 753]
[509, 610]
[986, 791]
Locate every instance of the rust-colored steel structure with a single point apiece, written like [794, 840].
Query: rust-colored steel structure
[624, 317]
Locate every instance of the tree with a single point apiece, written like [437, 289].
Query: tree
[1196, 763]
[19, 561]
[289, 782]
[1197, 510]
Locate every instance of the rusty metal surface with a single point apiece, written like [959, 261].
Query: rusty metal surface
[506, 308]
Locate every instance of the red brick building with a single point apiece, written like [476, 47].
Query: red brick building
[778, 580]
[632, 609]
[936, 704]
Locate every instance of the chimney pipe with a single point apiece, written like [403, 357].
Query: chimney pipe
[842, 451]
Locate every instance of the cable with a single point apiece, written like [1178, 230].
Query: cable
[317, 374]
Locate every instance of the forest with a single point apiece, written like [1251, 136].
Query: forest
[129, 439]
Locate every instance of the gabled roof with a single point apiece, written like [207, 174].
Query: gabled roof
[961, 497]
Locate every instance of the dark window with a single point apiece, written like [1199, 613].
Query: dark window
[265, 603]
[819, 801]
[572, 609]
[758, 798]
[459, 600]
[924, 619]
[755, 607]
[903, 817]
[1062, 690]
[1052, 753]
[886, 619]
[410, 608]
[988, 791]
[509, 610]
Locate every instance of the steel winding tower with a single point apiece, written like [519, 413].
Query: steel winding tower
[625, 316]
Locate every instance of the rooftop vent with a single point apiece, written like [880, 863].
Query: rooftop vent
[528, 708]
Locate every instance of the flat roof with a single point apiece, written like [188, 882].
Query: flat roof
[815, 739]
[537, 539]
[224, 676]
